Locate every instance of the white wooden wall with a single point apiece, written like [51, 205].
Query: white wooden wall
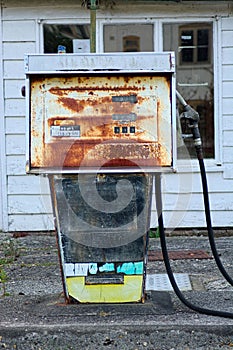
[25, 200]
[28, 200]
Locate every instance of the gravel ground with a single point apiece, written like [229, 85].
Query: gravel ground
[34, 314]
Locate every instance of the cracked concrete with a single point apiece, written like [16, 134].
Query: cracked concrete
[34, 314]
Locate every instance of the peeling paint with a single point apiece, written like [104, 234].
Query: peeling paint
[93, 268]
[131, 268]
[107, 267]
[90, 124]
[83, 269]
[130, 291]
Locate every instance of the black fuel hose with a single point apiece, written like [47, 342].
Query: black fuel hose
[193, 117]
[167, 261]
[209, 224]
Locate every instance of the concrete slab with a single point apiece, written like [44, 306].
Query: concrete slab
[35, 316]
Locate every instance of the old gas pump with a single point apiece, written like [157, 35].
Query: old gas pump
[101, 126]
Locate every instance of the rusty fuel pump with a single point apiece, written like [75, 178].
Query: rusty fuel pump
[101, 126]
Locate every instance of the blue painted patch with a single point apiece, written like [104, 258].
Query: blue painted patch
[108, 267]
[93, 268]
[139, 267]
[131, 268]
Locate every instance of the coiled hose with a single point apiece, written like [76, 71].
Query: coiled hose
[167, 261]
[198, 147]
[193, 117]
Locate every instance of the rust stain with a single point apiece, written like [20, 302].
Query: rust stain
[94, 154]
[91, 107]
[71, 103]
[102, 127]
[103, 104]
[179, 255]
[65, 90]
[57, 91]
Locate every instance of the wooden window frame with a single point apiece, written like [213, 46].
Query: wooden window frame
[193, 27]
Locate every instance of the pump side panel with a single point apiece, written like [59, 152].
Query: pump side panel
[99, 120]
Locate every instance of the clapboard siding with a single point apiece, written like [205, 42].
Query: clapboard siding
[15, 144]
[228, 154]
[28, 184]
[228, 121]
[228, 87]
[15, 165]
[191, 183]
[29, 204]
[228, 138]
[183, 200]
[182, 219]
[13, 69]
[227, 39]
[19, 30]
[227, 53]
[193, 202]
[15, 125]
[13, 87]
[226, 106]
[228, 172]
[197, 218]
[227, 94]
[18, 205]
[14, 107]
[227, 71]
[16, 50]
[31, 222]
[26, 195]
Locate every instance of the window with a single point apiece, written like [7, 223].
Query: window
[128, 37]
[192, 44]
[71, 37]
[131, 43]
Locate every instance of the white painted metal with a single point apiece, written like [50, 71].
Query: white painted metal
[161, 62]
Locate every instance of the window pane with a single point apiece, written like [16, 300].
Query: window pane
[187, 40]
[195, 80]
[65, 35]
[131, 43]
[128, 37]
[202, 43]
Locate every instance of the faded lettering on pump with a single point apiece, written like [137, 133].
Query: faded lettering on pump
[99, 120]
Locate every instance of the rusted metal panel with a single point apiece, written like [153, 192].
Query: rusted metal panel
[111, 120]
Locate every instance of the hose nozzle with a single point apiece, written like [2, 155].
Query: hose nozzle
[192, 116]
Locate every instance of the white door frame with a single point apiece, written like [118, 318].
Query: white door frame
[3, 174]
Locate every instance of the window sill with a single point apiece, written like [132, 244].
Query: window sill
[192, 165]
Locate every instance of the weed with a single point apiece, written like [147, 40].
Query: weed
[10, 253]
[154, 233]
[3, 280]
[10, 249]
[5, 261]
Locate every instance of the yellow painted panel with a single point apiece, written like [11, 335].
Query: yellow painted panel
[130, 291]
